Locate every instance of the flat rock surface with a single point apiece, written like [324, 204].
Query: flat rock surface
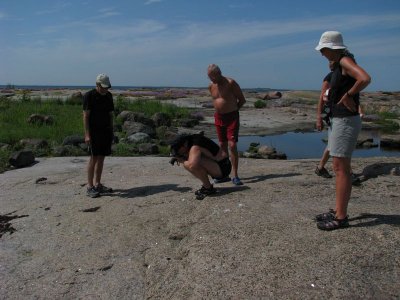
[152, 239]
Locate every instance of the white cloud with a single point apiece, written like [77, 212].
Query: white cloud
[55, 9]
[107, 12]
[148, 2]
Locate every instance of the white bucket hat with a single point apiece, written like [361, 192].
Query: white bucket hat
[331, 40]
[103, 80]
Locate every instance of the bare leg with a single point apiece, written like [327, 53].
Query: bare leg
[99, 169]
[342, 167]
[202, 169]
[90, 171]
[324, 159]
[234, 156]
[224, 148]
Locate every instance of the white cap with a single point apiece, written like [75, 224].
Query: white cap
[103, 80]
[331, 40]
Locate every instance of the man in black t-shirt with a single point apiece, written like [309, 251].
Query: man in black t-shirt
[98, 107]
[202, 158]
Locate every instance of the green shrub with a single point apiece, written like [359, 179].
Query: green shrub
[388, 115]
[4, 103]
[163, 150]
[387, 122]
[120, 104]
[260, 104]
[388, 126]
[123, 149]
[4, 157]
[25, 96]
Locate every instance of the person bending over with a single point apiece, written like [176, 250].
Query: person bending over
[202, 158]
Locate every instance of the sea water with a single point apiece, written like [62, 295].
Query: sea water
[297, 145]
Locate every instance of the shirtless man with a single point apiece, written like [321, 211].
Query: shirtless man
[227, 100]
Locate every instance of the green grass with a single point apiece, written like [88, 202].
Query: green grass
[14, 116]
[150, 107]
[67, 121]
[387, 122]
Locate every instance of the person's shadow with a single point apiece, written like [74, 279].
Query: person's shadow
[228, 190]
[368, 220]
[144, 191]
[375, 170]
[259, 178]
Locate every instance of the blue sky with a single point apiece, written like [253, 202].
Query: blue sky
[267, 44]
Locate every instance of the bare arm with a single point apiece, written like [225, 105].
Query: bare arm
[362, 78]
[86, 114]
[239, 94]
[324, 88]
[194, 155]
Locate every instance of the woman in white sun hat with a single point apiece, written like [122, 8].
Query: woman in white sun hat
[347, 80]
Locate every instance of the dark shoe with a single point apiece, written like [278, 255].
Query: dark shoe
[236, 181]
[355, 180]
[330, 215]
[322, 172]
[92, 192]
[204, 191]
[103, 189]
[333, 224]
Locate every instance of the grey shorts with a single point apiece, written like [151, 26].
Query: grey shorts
[343, 138]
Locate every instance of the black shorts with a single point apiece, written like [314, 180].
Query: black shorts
[225, 166]
[101, 143]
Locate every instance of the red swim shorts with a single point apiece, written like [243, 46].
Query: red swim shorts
[227, 126]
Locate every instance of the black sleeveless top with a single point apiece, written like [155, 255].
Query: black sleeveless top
[339, 85]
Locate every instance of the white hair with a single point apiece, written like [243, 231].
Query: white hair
[213, 68]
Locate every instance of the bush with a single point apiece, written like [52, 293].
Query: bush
[4, 156]
[260, 104]
[120, 104]
[123, 149]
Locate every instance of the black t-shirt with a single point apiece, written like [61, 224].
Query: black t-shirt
[202, 141]
[100, 107]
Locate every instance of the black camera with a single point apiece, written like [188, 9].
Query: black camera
[173, 160]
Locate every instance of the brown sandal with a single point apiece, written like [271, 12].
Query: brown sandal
[333, 224]
[326, 216]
